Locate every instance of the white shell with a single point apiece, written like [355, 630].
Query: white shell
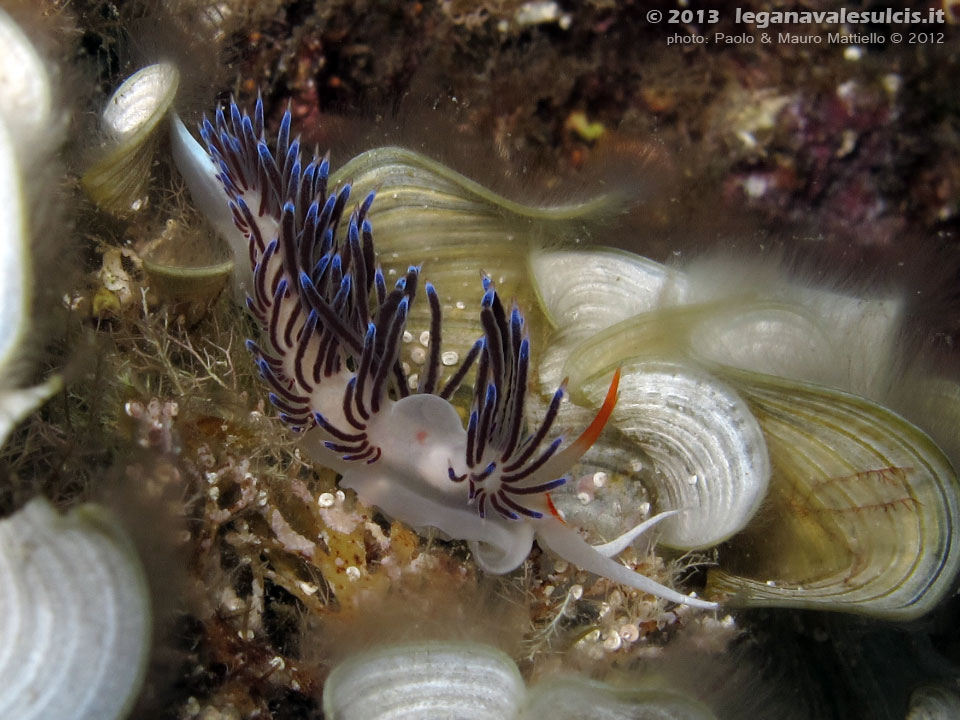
[141, 101]
[130, 121]
[769, 338]
[74, 615]
[709, 455]
[470, 681]
[26, 104]
[804, 334]
[571, 697]
[465, 681]
[592, 291]
[934, 702]
[26, 137]
[863, 331]
[14, 297]
[718, 314]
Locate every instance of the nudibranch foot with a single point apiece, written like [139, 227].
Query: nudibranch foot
[330, 355]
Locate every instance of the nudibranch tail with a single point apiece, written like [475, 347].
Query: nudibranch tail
[568, 544]
[332, 332]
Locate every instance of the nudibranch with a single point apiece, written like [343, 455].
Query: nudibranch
[331, 338]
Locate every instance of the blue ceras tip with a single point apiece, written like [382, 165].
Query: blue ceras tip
[491, 397]
[367, 202]
[246, 124]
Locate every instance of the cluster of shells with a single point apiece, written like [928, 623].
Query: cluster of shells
[755, 407]
[75, 615]
[470, 681]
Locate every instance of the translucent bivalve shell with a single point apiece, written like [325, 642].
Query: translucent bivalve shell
[708, 451]
[934, 702]
[74, 615]
[862, 513]
[703, 451]
[27, 98]
[571, 697]
[27, 134]
[811, 335]
[470, 681]
[466, 681]
[771, 338]
[130, 122]
[14, 256]
[592, 291]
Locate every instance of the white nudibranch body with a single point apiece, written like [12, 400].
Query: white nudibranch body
[330, 358]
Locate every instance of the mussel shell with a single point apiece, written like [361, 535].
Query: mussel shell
[771, 338]
[14, 255]
[862, 330]
[74, 615]
[470, 681]
[592, 291]
[16, 278]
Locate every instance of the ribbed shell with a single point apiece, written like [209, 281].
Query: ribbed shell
[130, 121]
[470, 681]
[863, 509]
[461, 681]
[571, 697]
[710, 457]
[74, 615]
[27, 104]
